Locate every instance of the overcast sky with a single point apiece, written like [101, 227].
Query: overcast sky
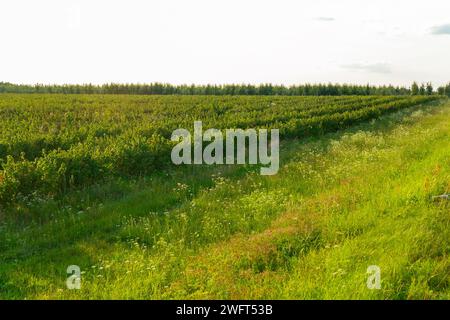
[225, 41]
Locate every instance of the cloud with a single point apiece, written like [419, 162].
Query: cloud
[442, 29]
[373, 67]
[325, 19]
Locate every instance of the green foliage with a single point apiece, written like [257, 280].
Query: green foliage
[422, 89]
[227, 89]
[444, 90]
[50, 144]
[340, 203]
[415, 89]
[429, 89]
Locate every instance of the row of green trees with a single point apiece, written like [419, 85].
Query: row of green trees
[444, 90]
[229, 89]
[427, 89]
[424, 89]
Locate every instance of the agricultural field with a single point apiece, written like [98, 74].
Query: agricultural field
[51, 144]
[87, 180]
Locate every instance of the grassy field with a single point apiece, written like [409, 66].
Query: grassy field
[341, 202]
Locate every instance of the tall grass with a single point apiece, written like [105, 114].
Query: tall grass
[340, 203]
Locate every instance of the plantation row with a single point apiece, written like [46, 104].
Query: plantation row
[52, 143]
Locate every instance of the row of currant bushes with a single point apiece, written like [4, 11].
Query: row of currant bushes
[332, 122]
[61, 170]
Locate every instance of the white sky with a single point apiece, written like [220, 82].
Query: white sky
[225, 41]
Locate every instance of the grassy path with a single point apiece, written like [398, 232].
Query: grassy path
[339, 204]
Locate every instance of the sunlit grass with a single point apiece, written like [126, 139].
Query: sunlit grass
[340, 203]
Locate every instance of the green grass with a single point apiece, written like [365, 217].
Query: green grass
[340, 203]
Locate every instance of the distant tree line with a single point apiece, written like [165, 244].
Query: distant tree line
[423, 89]
[444, 90]
[228, 89]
